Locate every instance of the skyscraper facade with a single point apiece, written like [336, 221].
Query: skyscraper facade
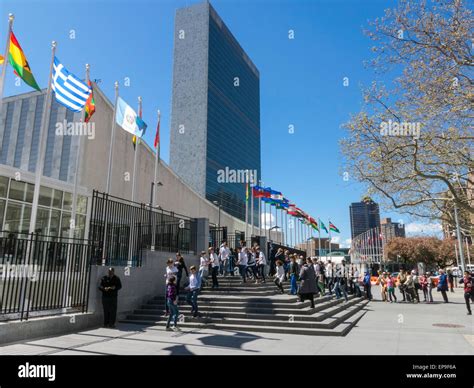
[391, 229]
[364, 215]
[215, 119]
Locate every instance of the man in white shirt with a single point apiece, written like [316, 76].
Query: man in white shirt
[214, 261]
[224, 253]
[242, 261]
[261, 263]
[193, 290]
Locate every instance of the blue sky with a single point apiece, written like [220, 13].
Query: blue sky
[301, 79]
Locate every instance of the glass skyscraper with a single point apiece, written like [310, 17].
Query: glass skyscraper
[215, 123]
[364, 216]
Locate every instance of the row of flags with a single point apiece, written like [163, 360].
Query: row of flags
[276, 198]
[73, 93]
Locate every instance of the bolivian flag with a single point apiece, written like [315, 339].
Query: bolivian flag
[17, 59]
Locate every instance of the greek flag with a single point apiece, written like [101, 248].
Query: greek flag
[69, 90]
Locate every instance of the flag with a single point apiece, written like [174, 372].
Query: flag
[90, 105]
[276, 195]
[292, 210]
[333, 227]
[17, 59]
[127, 118]
[321, 223]
[1, 60]
[247, 192]
[157, 136]
[69, 90]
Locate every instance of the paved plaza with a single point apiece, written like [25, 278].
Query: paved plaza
[385, 329]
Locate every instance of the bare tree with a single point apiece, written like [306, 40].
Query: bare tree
[413, 141]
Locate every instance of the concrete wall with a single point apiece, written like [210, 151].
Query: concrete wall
[138, 286]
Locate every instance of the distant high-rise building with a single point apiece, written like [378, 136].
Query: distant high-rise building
[364, 215]
[391, 229]
[215, 118]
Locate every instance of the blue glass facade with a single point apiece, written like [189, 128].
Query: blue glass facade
[233, 119]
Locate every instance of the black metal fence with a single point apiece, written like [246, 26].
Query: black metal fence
[120, 229]
[42, 274]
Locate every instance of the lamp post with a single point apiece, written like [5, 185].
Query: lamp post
[217, 203]
[152, 196]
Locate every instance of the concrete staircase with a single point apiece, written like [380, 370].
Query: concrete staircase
[258, 308]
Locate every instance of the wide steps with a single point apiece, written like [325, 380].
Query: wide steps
[258, 307]
[341, 329]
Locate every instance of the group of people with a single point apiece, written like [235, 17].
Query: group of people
[410, 283]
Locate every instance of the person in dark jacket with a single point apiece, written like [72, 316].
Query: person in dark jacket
[307, 282]
[468, 294]
[367, 285]
[180, 265]
[443, 285]
[110, 285]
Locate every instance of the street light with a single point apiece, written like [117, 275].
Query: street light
[219, 217]
[153, 221]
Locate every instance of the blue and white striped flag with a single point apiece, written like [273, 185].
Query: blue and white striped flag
[69, 90]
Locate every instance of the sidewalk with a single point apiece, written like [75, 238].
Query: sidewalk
[385, 329]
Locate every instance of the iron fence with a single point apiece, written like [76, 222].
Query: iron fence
[120, 229]
[42, 274]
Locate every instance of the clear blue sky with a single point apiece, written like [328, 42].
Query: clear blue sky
[301, 79]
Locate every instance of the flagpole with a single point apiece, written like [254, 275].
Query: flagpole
[135, 155]
[76, 168]
[11, 18]
[329, 222]
[260, 212]
[155, 181]
[246, 210]
[42, 144]
[109, 170]
[276, 221]
[112, 140]
[319, 240]
[251, 211]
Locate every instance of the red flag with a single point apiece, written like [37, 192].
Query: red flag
[157, 136]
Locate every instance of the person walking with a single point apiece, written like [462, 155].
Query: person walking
[416, 282]
[109, 286]
[261, 263]
[171, 271]
[242, 262]
[367, 285]
[423, 281]
[391, 287]
[172, 302]
[214, 263]
[401, 279]
[193, 290]
[410, 287]
[307, 282]
[224, 256]
[181, 266]
[468, 293]
[430, 287]
[443, 285]
[340, 281]
[279, 255]
[203, 267]
[252, 265]
[451, 280]
[293, 272]
[279, 276]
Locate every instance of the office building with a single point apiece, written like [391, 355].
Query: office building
[215, 120]
[364, 215]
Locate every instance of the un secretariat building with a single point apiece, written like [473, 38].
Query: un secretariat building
[20, 122]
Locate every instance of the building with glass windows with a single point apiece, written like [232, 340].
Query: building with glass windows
[364, 215]
[215, 120]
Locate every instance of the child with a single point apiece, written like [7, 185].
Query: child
[172, 303]
[193, 290]
[280, 276]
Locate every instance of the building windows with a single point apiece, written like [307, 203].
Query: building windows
[7, 133]
[20, 141]
[36, 133]
[54, 209]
